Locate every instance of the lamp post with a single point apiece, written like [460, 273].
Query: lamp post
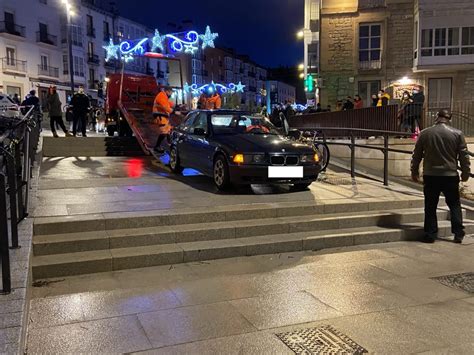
[69, 14]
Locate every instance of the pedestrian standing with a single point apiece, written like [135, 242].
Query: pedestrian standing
[441, 147]
[80, 106]
[16, 99]
[55, 112]
[348, 104]
[383, 98]
[358, 103]
[375, 100]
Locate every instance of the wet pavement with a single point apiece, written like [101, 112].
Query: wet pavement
[381, 297]
[75, 186]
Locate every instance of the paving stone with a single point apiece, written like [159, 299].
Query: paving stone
[189, 324]
[10, 335]
[112, 335]
[9, 320]
[11, 306]
[283, 309]
[52, 311]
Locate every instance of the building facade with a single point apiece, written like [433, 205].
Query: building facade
[34, 46]
[280, 93]
[368, 45]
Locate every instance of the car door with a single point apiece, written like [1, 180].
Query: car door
[199, 144]
[182, 139]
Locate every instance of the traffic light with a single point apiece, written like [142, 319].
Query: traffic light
[309, 83]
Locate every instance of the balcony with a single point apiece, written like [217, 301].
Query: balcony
[12, 29]
[370, 65]
[50, 72]
[371, 4]
[93, 59]
[13, 66]
[43, 37]
[91, 32]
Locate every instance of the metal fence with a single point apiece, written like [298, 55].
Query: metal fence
[463, 116]
[18, 142]
[372, 118]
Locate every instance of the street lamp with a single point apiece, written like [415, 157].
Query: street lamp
[301, 66]
[69, 14]
[300, 34]
[301, 75]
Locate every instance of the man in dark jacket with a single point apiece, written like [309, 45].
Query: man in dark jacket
[31, 100]
[55, 112]
[441, 147]
[80, 106]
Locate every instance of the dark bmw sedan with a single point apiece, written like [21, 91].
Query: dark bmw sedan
[233, 147]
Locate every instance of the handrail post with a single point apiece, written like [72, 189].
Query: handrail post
[385, 159]
[11, 172]
[26, 169]
[4, 252]
[19, 183]
[352, 155]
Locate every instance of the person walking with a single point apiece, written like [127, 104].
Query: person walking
[80, 106]
[441, 147]
[55, 112]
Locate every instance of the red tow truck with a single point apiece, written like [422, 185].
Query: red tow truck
[128, 108]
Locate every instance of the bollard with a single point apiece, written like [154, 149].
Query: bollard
[352, 155]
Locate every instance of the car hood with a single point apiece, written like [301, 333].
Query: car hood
[249, 143]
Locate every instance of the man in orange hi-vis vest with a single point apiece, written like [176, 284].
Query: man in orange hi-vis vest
[162, 108]
[214, 102]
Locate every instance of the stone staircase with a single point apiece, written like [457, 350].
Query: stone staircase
[101, 146]
[64, 246]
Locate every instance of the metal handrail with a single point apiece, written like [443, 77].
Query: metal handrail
[17, 146]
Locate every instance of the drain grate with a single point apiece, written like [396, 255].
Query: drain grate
[321, 340]
[337, 181]
[463, 282]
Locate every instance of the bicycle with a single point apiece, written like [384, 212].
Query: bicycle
[311, 138]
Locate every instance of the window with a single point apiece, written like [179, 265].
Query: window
[9, 19]
[370, 44]
[91, 78]
[11, 56]
[367, 89]
[44, 62]
[467, 40]
[427, 43]
[43, 30]
[65, 65]
[90, 22]
[440, 91]
[440, 42]
[106, 30]
[90, 48]
[201, 122]
[453, 41]
[415, 39]
[78, 66]
[76, 34]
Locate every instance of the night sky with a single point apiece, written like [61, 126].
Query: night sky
[263, 29]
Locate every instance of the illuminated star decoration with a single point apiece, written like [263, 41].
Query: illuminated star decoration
[112, 51]
[208, 38]
[157, 41]
[239, 87]
[190, 48]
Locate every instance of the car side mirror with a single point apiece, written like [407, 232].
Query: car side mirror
[199, 132]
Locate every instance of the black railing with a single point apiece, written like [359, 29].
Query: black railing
[51, 72]
[12, 28]
[113, 63]
[370, 65]
[9, 64]
[93, 59]
[44, 37]
[18, 143]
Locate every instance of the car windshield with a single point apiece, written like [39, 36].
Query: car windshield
[239, 124]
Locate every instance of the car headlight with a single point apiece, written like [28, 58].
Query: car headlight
[310, 158]
[258, 158]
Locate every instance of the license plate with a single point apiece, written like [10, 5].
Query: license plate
[285, 172]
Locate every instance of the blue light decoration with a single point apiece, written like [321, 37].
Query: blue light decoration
[208, 38]
[185, 42]
[196, 90]
[111, 51]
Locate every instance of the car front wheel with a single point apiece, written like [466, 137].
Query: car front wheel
[175, 164]
[221, 173]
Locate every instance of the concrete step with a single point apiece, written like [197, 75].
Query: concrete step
[161, 218]
[59, 265]
[91, 146]
[128, 238]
